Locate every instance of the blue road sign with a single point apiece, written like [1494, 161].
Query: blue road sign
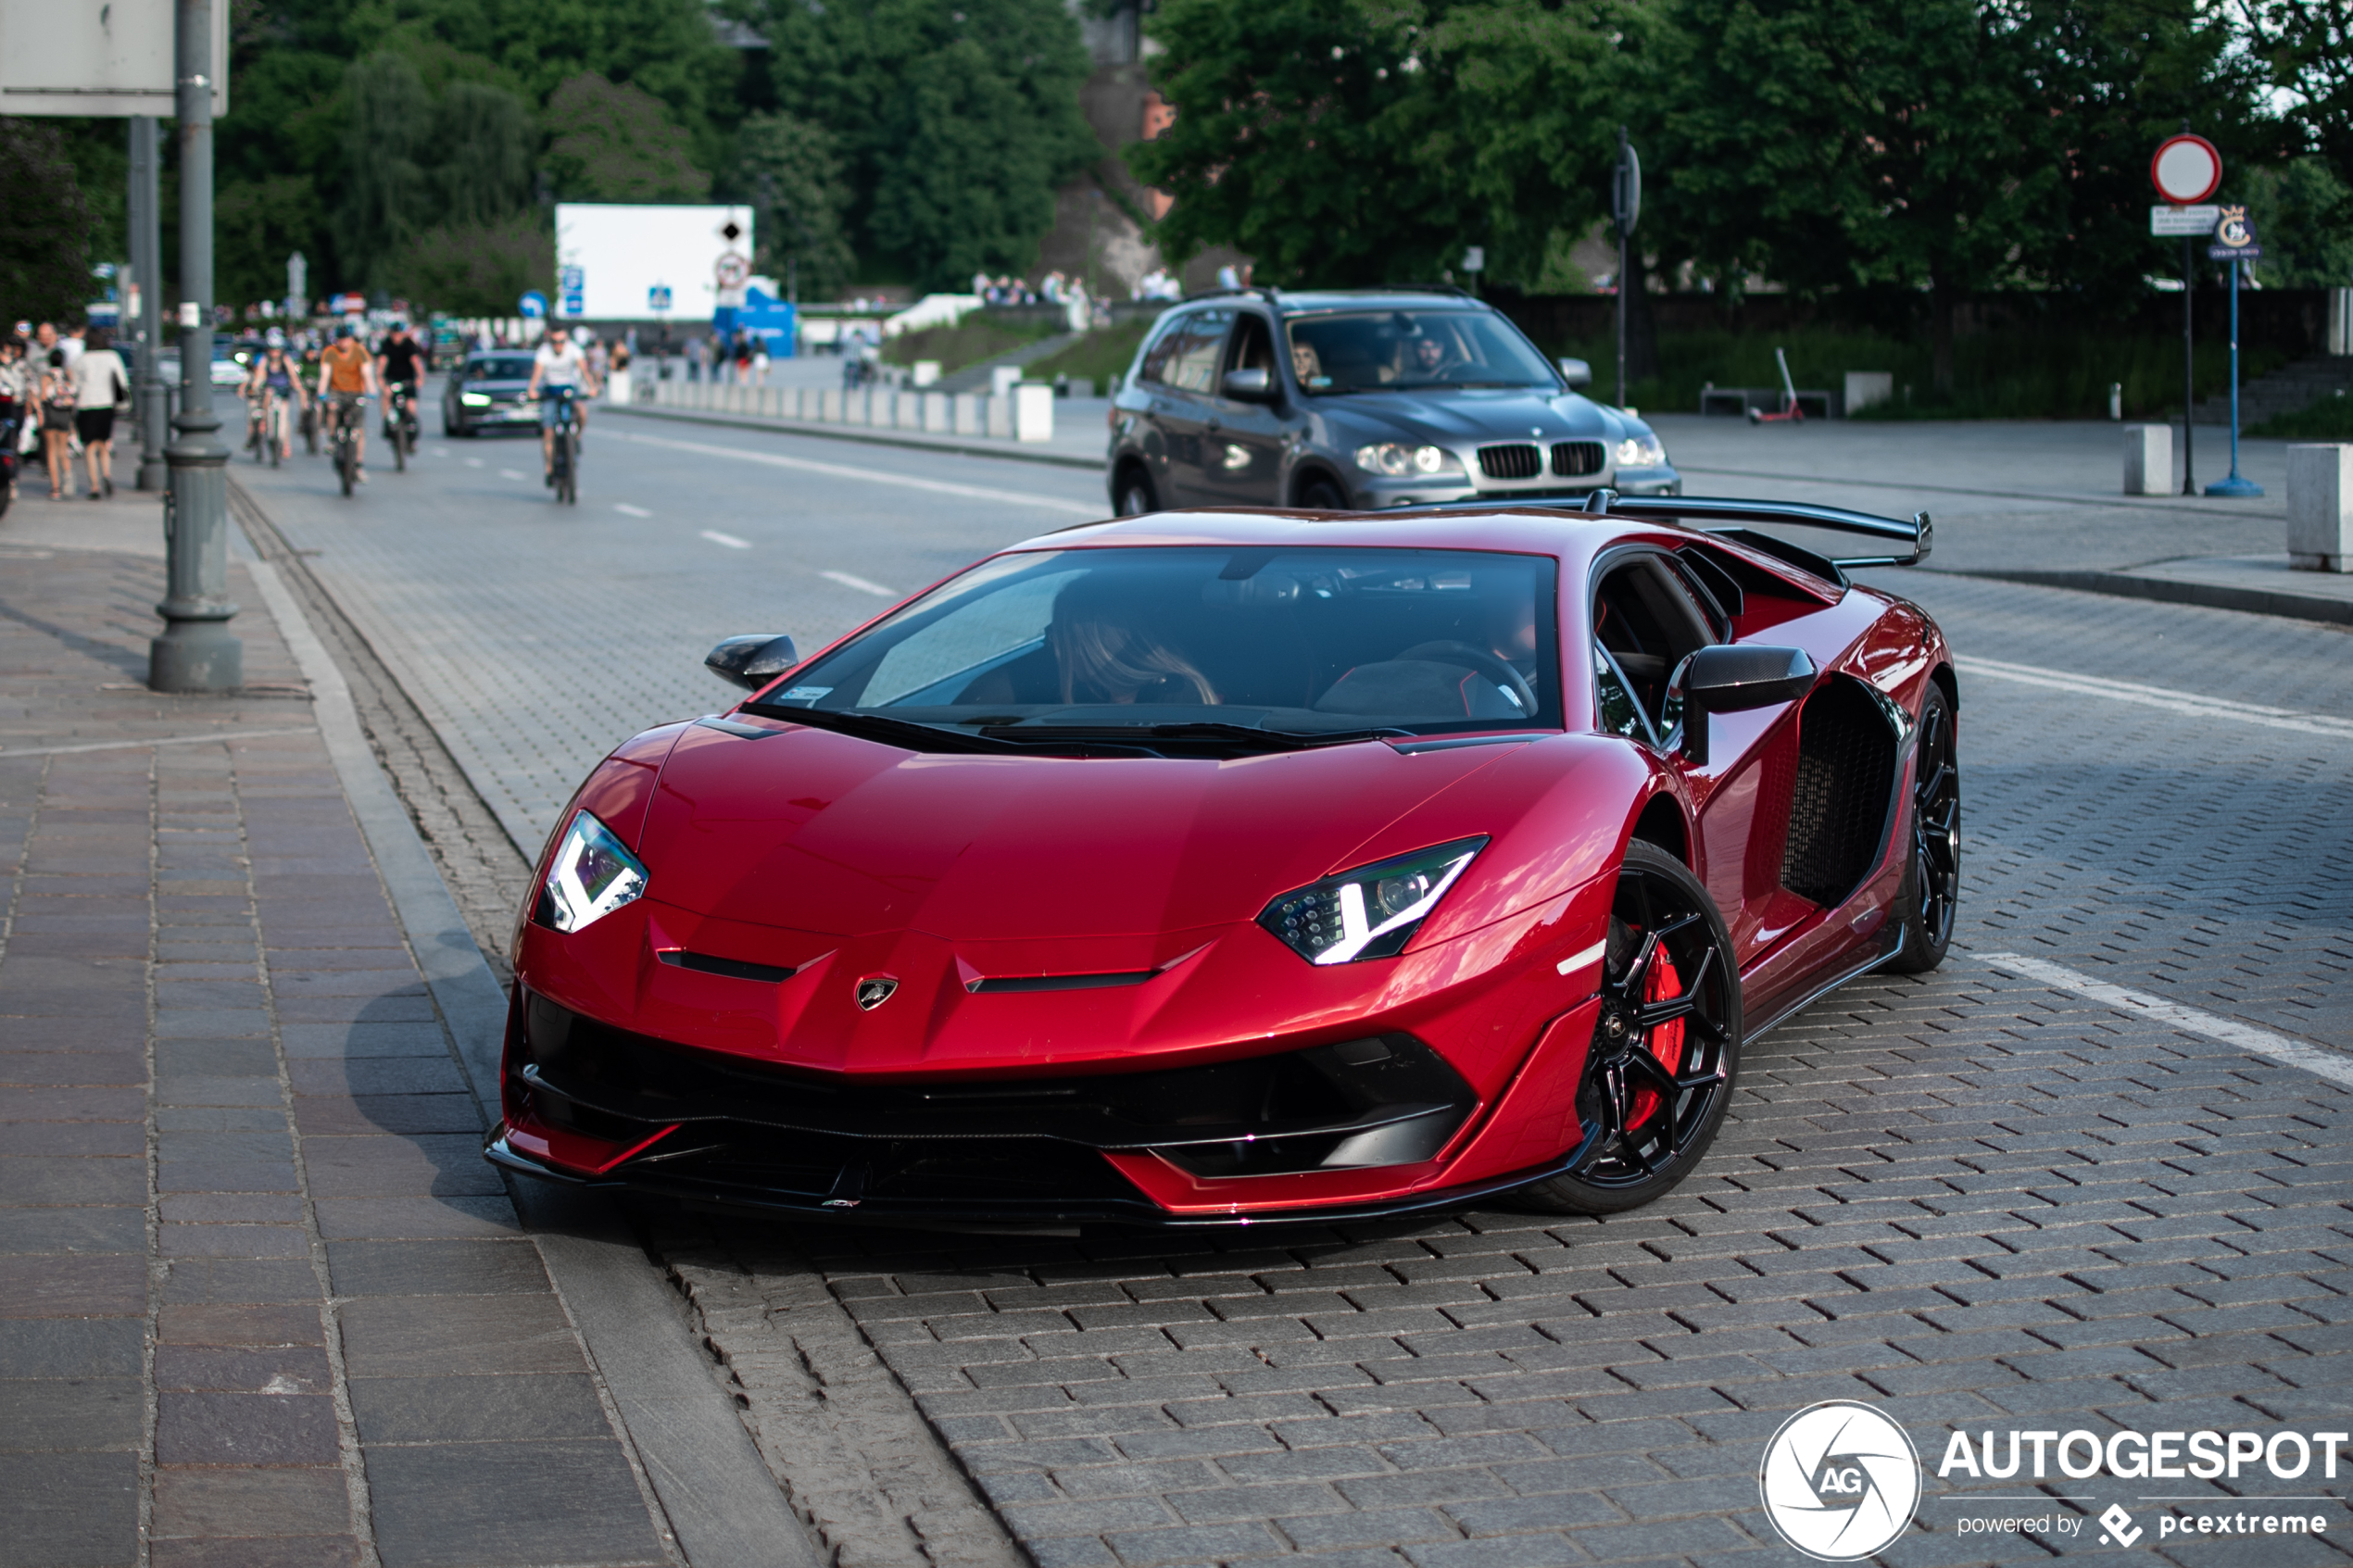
[533, 304]
[657, 297]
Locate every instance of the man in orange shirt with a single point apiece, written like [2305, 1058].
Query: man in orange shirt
[350, 376]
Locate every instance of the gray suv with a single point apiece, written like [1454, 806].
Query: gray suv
[1360, 400]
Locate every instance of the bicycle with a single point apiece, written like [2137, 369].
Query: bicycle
[565, 451]
[400, 424]
[277, 433]
[257, 421]
[346, 447]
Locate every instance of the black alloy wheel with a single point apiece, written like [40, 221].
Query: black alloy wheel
[1932, 893]
[1136, 496]
[1323, 495]
[1658, 1076]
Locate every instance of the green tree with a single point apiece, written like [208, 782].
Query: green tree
[386, 195]
[791, 173]
[46, 224]
[618, 143]
[478, 268]
[2304, 216]
[956, 120]
[483, 137]
[255, 225]
[2306, 47]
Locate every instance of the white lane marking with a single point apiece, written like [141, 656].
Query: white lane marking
[10, 755]
[727, 539]
[2189, 703]
[441, 451]
[473, 462]
[1591, 955]
[842, 471]
[860, 583]
[2229, 1031]
[508, 473]
[625, 510]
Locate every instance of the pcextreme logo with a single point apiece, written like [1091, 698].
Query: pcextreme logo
[1840, 1481]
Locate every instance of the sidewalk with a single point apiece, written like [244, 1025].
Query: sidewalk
[262, 1302]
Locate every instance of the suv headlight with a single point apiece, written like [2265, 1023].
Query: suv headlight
[1370, 912]
[1397, 460]
[1641, 452]
[592, 876]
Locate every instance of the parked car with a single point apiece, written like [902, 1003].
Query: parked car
[1236, 866]
[1362, 399]
[486, 393]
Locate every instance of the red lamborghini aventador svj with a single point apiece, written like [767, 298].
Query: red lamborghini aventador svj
[1246, 866]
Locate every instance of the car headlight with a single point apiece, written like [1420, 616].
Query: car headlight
[1641, 452]
[1397, 460]
[1370, 912]
[474, 399]
[592, 876]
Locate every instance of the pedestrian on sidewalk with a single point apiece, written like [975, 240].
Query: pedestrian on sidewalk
[99, 386]
[56, 420]
[18, 385]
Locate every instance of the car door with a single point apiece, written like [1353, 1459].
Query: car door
[1242, 441]
[1183, 403]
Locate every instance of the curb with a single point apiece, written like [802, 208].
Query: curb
[865, 437]
[2213, 595]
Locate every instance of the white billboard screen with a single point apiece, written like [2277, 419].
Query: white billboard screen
[630, 263]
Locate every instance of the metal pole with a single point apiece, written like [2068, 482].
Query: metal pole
[2189, 366]
[2234, 485]
[1618, 203]
[149, 393]
[196, 652]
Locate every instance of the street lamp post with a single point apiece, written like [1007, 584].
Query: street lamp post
[148, 396]
[196, 652]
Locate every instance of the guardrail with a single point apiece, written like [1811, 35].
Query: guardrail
[1024, 414]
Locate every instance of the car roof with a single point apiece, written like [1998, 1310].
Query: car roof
[1302, 302]
[1567, 534]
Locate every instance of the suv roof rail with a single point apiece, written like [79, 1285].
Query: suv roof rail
[1455, 289]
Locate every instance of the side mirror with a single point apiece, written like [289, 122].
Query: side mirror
[751, 662]
[1250, 386]
[1729, 678]
[1577, 372]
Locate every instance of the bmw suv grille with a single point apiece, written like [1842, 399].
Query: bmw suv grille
[1518, 461]
[1575, 460]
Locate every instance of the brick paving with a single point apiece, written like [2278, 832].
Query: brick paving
[260, 1301]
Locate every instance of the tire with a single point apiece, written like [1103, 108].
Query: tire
[1135, 496]
[1651, 1094]
[1323, 495]
[1932, 893]
[399, 448]
[345, 468]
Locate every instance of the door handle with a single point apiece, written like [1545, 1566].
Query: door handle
[1214, 424]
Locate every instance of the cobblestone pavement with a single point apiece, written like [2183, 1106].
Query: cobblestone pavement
[260, 1301]
[1978, 1201]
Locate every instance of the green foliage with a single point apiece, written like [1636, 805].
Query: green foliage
[2329, 420]
[1098, 357]
[46, 224]
[478, 268]
[2306, 47]
[614, 142]
[967, 343]
[2304, 217]
[790, 171]
[255, 225]
[484, 136]
[955, 120]
[384, 189]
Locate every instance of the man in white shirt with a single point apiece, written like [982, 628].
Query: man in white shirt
[562, 369]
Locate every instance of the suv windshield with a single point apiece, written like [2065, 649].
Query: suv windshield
[1396, 350]
[1254, 648]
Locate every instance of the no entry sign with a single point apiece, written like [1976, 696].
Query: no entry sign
[2186, 170]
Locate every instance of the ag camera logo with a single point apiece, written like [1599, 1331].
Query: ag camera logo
[1840, 1481]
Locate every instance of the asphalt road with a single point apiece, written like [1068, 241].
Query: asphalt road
[2092, 1175]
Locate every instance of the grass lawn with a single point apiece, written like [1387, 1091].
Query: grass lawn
[968, 342]
[1098, 357]
[2329, 420]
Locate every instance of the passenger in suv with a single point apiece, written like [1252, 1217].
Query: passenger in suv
[1360, 400]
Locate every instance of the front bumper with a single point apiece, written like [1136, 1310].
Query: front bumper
[1379, 493]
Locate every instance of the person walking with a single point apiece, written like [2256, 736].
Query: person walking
[99, 385]
[56, 420]
[17, 382]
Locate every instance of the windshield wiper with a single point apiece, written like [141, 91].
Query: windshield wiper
[1269, 740]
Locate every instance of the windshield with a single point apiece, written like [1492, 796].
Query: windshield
[517, 369]
[1397, 350]
[1218, 641]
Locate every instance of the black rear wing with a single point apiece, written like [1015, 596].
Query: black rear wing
[1730, 518]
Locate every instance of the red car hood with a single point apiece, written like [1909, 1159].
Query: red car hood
[825, 833]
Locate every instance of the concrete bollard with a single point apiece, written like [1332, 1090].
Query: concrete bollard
[926, 373]
[1003, 379]
[910, 411]
[2149, 459]
[968, 418]
[2319, 507]
[1033, 412]
[829, 402]
[1868, 389]
[997, 417]
[938, 413]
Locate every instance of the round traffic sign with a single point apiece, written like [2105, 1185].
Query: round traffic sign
[2186, 170]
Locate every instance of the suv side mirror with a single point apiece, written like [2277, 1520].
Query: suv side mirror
[1250, 386]
[1577, 372]
[751, 662]
[1731, 678]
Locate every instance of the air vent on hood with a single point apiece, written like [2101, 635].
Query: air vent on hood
[1516, 461]
[1059, 981]
[734, 969]
[1577, 459]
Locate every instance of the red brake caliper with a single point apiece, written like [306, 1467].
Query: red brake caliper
[1667, 1039]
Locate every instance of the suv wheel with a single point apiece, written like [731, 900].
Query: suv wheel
[1135, 494]
[1322, 496]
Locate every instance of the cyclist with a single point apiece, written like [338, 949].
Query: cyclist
[273, 385]
[560, 364]
[401, 364]
[349, 377]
